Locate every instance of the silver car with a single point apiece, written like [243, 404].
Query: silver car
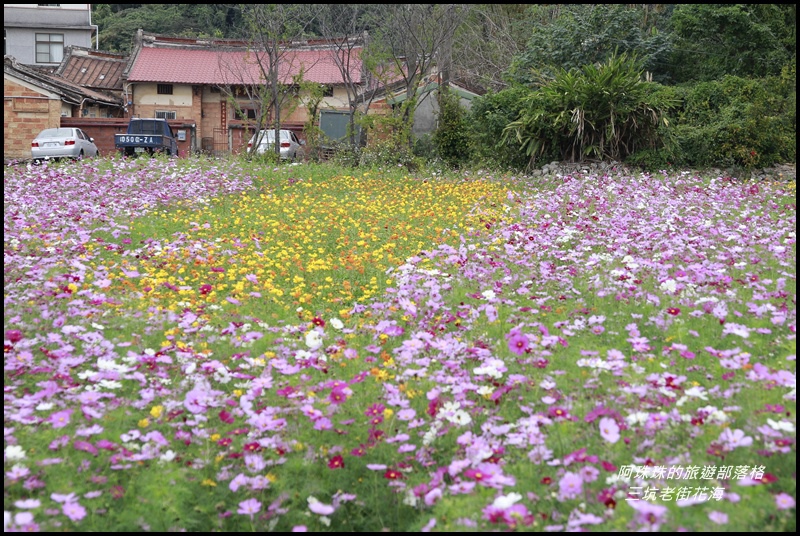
[64, 142]
[291, 146]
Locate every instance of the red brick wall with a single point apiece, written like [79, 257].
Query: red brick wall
[25, 114]
[103, 129]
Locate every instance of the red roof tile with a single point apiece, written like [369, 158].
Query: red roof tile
[220, 67]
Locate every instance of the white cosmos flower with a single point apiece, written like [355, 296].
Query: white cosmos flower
[460, 418]
[336, 323]
[489, 294]
[507, 501]
[485, 390]
[669, 286]
[14, 453]
[313, 339]
[781, 426]
[640, 417]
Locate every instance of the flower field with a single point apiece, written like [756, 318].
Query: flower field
[200, 345]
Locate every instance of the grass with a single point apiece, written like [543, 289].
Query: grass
[208, 345]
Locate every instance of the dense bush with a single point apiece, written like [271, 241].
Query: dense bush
[738, 122]
[451, 138]
[488, 117]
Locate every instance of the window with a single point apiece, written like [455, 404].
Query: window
[166, 114]
[49, 48]
[327, 91]
[247, 113]
[164, 89]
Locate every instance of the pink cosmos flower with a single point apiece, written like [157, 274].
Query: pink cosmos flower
[731, 439]
[784, 501]
[60, 419]
[320, 508]
[570, 486]
[249, 507]
[73, 510]
[609, 429]
[720, 518]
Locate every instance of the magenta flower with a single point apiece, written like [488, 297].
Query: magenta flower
[249, 507]
[609, 429]
[337, 396]
[85, 446]
[518, 343]
[14, 335]
[375, 409]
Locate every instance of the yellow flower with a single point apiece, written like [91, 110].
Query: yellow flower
[382, 376]
[144, 423]
[157, 411]
[209, 483]
[271, 477]
[387, 413]
[215, 437]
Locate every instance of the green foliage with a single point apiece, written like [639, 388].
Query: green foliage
[388, 153]
[118, 23]
[747, 40]
[488, 117]
[450, 138]
[599, 112]
[738, 122]
[584, 34]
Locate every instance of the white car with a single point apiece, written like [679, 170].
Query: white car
[291, 147]
[63, 142]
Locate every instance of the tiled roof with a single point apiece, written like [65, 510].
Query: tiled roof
[221, 67]
[95, 71]
[68, 90]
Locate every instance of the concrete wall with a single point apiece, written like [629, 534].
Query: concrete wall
[21, 22]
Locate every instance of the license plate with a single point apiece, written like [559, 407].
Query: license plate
[138, 149]
[51, 144]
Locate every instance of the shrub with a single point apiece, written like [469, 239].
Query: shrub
[488, 117]
[599, 112]
[450, 138]
[738, 122]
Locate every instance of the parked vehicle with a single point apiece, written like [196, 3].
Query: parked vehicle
[147, 136]
[63, 142]
[291, 146]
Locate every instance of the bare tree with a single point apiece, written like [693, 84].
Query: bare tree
[415, 38]
[486, 42]
[344, 26]
[264, 77]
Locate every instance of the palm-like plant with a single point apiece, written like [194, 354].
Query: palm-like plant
[604, 111]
